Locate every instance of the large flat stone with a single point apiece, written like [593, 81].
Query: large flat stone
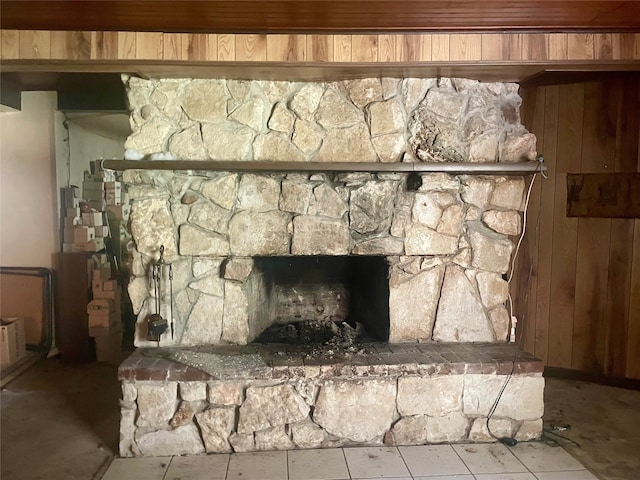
[326, 202]
[205, 101]
[449, 428]
[210, 216]
[216, 424]
[295, 196]
[152, 226]
[275, 438]
[156, 404]
[358, 410]
[508, 194]
[204, 326]
[306, 434]
[490, 251]
[493, 289]
[267, 407]
[351, 144]
[259, 234]
[422, 240]
[411, 430]
[195, 241]
[276, 147]
[386, 117]
[258, 193]
[227, 141]
[222, 190]
[433, 396]
[335, 111]
[371, 207]
[319, 236]
[235, 320]
[179, 441]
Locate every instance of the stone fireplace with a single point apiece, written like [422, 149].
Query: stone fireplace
[412, 264]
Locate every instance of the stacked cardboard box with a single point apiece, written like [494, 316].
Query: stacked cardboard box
[12, 340]
[83, 230]
[105, 317]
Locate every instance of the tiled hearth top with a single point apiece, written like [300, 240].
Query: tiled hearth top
[279, 361]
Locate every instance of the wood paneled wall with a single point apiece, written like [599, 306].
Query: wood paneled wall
[489, 47]
[581, 308]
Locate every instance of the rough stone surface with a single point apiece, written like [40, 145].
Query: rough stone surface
[193, 391]
[237, 269]
[156, 404]
[522, 399]
[204, 326]
[364, 91]
[184, 415]
[150, 138]
[351, 144]
[151, 226]
[273, 439]
[433, 396]
[490, 251]
[129, 392]
[319, 236]
[413, 300]
[500, 428]
[225, 393]
[205, 101]
[508, 194]
[195, 241]
[281, 119]
[410, 430]
[413, 91]
[371, 207]
[386, 117]
[493, 289]
[379, 246]
[188, 144]
[476, 191]
[422, 240]
[295, 196]
[227, 141]
[306, 101]
[449, 428]
[267, 407]
[250, 113]
[306, 434]
[530, 430]
[222, 191]
[216, 424]
[451, 220]
[307, 136]
[235, 320]
[500, 321]
[258, 193]
[506, 222]
[179, 441]
[460, 316]
[139, 290]
[360, 411]
[127, 446]
[389, 148]
[518, 148]
[335, 111]
[327, 202]
[211, 284]
[263, 234]
[210, 217]
[203, 266]
[276, 147]
[242, 443]
[426, 210]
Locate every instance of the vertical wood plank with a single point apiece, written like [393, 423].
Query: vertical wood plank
[426, 48]
[104, 45]
[35, 44]
[71, 45]
[606, 46]
[320, 48]
[630, 46]
[440, 51]
[545, 236]
[10, 44]
[501, 46]
[410, 48]
[580, 46]
[148, 45]
[286, 48]
[565, 230]
[387, 48]
[467, 46]
[226, 48]
[212, 47]
[126, 45]
[251, 48]
[196, 46]
[535, 46]
[364, 48]
[558, 46]
[342, 48]
[172, 46]
[633, 345]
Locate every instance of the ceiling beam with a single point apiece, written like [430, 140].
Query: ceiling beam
[321, 16]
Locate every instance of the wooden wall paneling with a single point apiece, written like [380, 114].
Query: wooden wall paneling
[342, 48]
[126, 45]
[606, 46]
[226, 47]
[545, 236]
[149, 45]
[320, 48]
[501, 46]
[565, 230]
[104, 45]
[286, 48]
[535, 46]
[35, 44]
[172, 46]
[465, 46]
[580, 46]
[388, 48]
[9, 44]
[364, 48]
[410, 48]
[558, 46]
[199, 47]
[633, 331]
[427, 48]
[251, 48]
[630, 46]
[440, 47]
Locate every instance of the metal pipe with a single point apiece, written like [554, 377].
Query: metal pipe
[515, 168]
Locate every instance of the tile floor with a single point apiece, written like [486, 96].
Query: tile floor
[525, 461]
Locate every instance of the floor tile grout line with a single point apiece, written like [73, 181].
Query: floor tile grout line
[226, 472]
[405, 462]
[166, 470]
[346, 463]
[462, 460]
[286, 463]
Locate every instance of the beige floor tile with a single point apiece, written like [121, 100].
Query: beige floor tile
[198, 467]
[446, 477]
[144, 468]
[432, 460]
[489, 458]
[258, 466]
[540, 457]
[505, 476]
[567, 475]
[375, 462]
[322, 464]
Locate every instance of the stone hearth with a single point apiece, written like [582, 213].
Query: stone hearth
[445, 243]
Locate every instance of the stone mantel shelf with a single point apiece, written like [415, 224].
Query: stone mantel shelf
[457, 168]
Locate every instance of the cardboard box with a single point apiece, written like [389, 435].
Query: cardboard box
[102, 273]
[73, 212]
[93, 219]
[68, 235]
[101, 325]
[12, 340]
[70, 222]
[109, 348]
[83, 234]
[95, 245]
[99, 204]
[118, 212]
[108, 294]
[102, 231]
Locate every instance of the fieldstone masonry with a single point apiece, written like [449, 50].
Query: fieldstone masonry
[445, 238]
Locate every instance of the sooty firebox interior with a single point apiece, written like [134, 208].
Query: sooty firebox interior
[310, 299]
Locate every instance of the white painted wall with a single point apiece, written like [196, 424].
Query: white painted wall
[28, 187]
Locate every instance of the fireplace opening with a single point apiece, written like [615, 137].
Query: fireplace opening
[320, 298]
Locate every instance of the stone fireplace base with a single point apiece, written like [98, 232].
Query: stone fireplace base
[272, 397]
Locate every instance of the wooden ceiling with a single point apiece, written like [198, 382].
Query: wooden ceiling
[321, 16]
